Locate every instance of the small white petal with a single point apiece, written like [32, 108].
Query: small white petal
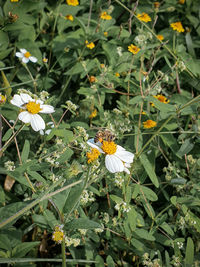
[25, 116]
[26, 98]
[38, 101]
[18, 54]
[41, 132]
[114, 164]
[97, 145]
[124, 155]
[23, 50]
[126, 170]
[47, 109]
[120, 148]
[37, 122]
[48, 131]
[25, 60]
[17, 101]
[33, 59]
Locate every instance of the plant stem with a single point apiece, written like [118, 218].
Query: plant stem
[63, 254]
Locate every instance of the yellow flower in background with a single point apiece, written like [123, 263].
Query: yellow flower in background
[90, 45]
[160, 37]
[177, 26]
[102, 66]
[181, 2]
[93, 155]
[144, 17]
[14, 0]
[45, 60]
[69, 17]
[72, 2]
[104, 15]
[105, 34]
[93, 114]
[2, 99]
[144, 113]
[92, 79]
[149, 124]
[162, 98]
[117, 74]
[156, 4]
[133, 49]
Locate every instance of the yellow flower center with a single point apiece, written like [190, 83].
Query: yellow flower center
[58, 236]
[93, 155]
[27, 54]
[33, 107]
[109, 147]
[2, 99]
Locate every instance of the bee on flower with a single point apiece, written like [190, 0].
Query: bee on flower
[25, 56]
[30, 108]
[117, 159]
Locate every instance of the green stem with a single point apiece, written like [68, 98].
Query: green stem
[11, 139]
[63, 254]
[34, 81]
[174, 42]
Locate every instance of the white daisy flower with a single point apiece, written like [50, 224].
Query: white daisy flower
[30, 108]
[25, 56]
[117, 159]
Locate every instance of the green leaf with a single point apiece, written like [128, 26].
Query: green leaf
[7, 135]
[148, 168]
[189, 255]
[116, 199]
[149, 194]
[185, 148]
[167, 228]
[110, 262]
[170, 141]
[22, 249]
[144, 234]
[25, 151]
[82, 223]
[190, 45]
[37, 176]
[161, 106]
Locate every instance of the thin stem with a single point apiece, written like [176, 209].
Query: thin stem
[63, 253]
[90, 12]
[62, 117]
[34, 81]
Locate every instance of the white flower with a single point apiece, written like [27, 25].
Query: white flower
[25, 56]
[30, 109]
[117, 159]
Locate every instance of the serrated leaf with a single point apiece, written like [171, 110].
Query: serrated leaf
[149, 169]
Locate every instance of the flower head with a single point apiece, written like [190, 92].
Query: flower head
[92, 79]
[25, 56]
[93, 114]
[149, 124]
[29, 110]
[177, 26]
[58, 234]
[2, 99]
[160, 37]
[93, 155]
[105, 34]
[181, 2]
[104, 15]
[14, 0]
[161, 98]
[72, 2]
[45, 60]
[69, 17]
[144, 17]
[117, 159]
[117, 74]
[156, 4]
[89, 45]
[133, 49]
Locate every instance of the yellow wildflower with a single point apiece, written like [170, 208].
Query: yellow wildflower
[104, 15]
[144, 17]
[2, 99]
[156, 4]
[14, 0]
[144, 113]
[149, 124]
[177, 26]
[105, 34]
[181, 2]
[45, 60]
[162, 98]
[72, 2]
[160, 37]
[69, 17]
[93, 155]
[92, 79]
[133, 49]
[93, 114]
[90, 45]
[102, 66]
[117, 74]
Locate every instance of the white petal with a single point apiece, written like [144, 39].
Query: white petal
[48, 131]
[26, 98]
[37, 122]
[126, 170]
[41, 132]
[25, 60]
[114, 164]
[38, 101]
[25, 116]
[23, 50]
[17, 101]
[18, 54]
[97, 145]
[120, 148]
[47, 109]
[33, 59]
[124, 155]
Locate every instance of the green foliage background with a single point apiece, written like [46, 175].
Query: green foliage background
[147, 218]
